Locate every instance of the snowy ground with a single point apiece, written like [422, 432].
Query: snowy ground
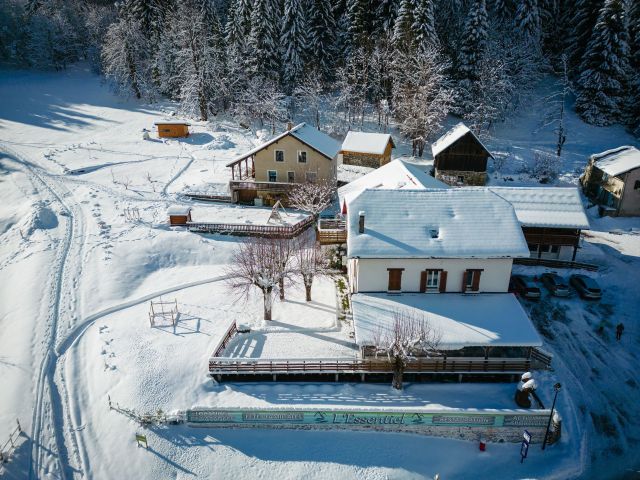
[77, 274]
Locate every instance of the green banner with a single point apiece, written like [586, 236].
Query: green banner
[202, 416]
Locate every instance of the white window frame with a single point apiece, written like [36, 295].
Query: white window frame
[470, 276]
[275, 156]
[300, 152]
[275, 172]
[433, 279]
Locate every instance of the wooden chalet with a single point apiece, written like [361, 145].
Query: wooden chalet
[169, 129]
[612, 179]
[460, 158]
[266, 173]
[367, 149]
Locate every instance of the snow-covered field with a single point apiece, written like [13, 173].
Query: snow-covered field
[77, 273]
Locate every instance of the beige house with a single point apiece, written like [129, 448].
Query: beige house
[612, 179]
[266, 173]
[366, 149]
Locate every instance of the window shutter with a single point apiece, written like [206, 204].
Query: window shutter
[423, 281]
[443, 282]
[395, 279]
[475, 286]
[464, 280]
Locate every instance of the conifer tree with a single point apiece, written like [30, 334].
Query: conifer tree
[603, 82]
[294, 42]
[322, 45]
[357, 15]
[403, 33]
[423, 26]
[528, 20]
[585, 15]
[474, 45]
[634, 51]
[264, 40]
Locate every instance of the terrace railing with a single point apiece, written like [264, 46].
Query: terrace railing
[250, 366]
[273, 231]
[332, 231]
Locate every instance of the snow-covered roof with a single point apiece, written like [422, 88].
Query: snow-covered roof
[178, 210]
[311, 136]
[171, 122]
[490, 319]
[618, 160]
[545, 206]
[364, 142]
[435, 223]
[451, 137]
[396, 174]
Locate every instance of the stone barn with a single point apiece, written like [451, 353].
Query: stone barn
[367, 149]
[460, 158]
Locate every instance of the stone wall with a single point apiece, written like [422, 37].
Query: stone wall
[450, 177]
[362, 159]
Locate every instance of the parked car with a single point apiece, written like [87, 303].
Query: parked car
[555, 284]
[586, 287]
[524, 286]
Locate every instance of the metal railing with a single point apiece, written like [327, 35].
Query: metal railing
[545, 262]
[275, 231]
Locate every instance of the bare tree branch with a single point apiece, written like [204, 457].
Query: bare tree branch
[312, 197]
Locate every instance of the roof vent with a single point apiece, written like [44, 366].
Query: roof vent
[361, 221]
[433, 232]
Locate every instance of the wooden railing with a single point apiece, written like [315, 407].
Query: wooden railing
[230, 366]
[332, 231]
[233, 329]
[271, 186]
[544, 262]
[208, 198]
[541, 357]
[552, 239]
[274, 231]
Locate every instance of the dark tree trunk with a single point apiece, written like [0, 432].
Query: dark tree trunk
[281, 288]
[398, 373]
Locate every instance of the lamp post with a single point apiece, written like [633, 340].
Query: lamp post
[556, 387]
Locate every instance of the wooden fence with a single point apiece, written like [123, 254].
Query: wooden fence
[231, 366]
[543, 262]
[332, 231]
[9, 446]
[208, 198]
[274, 231]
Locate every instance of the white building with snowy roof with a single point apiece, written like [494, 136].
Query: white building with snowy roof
[551, 219]
[442, 254]
[460, 158]
[366, 149]
[612, 179]
[300, 154]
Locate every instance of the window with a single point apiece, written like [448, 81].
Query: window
[636, 186]
[544, 248]
[460, 179]
[273, 176]
[311, 177]
[555, 249]
[302, 156]
[395, 279]
[471, 280]
[533, 247]
[291, 177]
[279, 155]
[433, 281]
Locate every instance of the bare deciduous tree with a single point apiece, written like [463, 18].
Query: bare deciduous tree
[284, 251]
[311, 262]
[256, 263]
[410, 335]
[312, 197]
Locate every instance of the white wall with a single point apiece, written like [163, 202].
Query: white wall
[372, 274]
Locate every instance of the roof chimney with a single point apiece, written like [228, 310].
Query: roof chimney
[361, 221]
[289, 125]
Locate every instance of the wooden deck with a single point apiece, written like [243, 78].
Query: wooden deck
[271, 231]
[251, 366]
[555, 263]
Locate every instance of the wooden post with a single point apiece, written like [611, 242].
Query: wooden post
[19, 427]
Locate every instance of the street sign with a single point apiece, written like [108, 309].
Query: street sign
[524, 449]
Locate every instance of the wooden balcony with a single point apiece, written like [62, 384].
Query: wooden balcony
[274, 187]
[332, 231]
[551, 236]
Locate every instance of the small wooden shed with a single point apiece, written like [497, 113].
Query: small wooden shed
[172, 129]
[179, 215]
[367, 149]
